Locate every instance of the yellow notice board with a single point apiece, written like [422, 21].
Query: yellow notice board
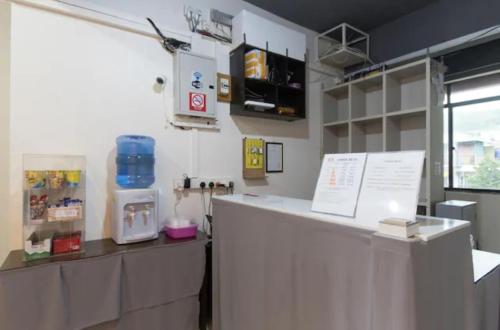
[253, 158]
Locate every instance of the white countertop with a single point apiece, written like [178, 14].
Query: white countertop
[430, 227]
[457, 203]
[484, 263]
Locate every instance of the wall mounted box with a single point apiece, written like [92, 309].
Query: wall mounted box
[252, 29]
[195, 85]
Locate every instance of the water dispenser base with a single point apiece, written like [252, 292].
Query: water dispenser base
[135, 215]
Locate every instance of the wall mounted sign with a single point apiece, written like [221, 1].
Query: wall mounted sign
[253, 159]
[197, 102]
[274, 157]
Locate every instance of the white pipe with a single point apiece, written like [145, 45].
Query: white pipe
[450, 45]
[194, 152]
[118, 21]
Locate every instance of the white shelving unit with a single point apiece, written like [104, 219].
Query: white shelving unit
[399, 109]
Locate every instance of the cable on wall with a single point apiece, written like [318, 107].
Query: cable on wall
[170, 44]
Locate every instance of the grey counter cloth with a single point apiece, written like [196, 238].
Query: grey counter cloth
[487, 302]
[276, 271]
[150, 288]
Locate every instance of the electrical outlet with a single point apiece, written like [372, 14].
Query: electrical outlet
[219, 182]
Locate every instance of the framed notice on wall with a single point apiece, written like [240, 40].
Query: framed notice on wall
[274, 157]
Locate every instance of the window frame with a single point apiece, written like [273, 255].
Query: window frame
[450, 106]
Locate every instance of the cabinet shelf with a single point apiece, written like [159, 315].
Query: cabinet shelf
[336, 123]
[270, 114]
[277, 92]
[336, 139]
[407, 112]
[336, 104]
[367, 136]
[366, 119]
[406, 87]
[367, 97]
[406, 132]
[45, 222]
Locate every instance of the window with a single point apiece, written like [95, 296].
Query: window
[472, 134]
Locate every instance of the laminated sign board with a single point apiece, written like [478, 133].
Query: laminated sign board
[197, 102]
[338, 185]
[370, 187]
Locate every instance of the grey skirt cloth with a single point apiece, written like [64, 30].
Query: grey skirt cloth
[277, 271]
[148, 288]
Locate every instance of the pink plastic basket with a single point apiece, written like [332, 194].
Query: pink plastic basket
[181, 229]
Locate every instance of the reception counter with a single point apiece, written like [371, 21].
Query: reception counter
[279, 266]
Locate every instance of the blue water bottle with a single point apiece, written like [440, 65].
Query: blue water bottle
[135, 161]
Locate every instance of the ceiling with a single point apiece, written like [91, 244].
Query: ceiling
[321, 15]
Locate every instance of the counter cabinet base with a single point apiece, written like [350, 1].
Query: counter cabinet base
[150, 285]
[284, 271]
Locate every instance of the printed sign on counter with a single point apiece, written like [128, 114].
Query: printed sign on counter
[370, 187]
[338, 185]
[390, 187]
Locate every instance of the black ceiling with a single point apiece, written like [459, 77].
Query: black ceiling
[321, 15]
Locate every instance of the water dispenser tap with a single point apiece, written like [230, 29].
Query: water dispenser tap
[131, 215]
[146, 213]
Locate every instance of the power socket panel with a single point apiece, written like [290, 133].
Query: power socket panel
[195, 182]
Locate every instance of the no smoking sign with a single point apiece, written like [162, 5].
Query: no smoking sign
[197, 102]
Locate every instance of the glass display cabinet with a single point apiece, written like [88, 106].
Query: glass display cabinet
[53, 205]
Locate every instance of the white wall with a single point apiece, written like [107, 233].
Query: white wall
[488, 216]
[77, 85]
[4, 126]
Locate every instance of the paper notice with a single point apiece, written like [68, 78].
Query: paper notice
[338, 185]
[390, 187]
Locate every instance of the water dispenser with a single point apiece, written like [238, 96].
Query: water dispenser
[135, 215]
[135, 208]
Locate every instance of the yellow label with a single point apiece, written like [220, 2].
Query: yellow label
[254, 154]
[73, 176]
[35, 179]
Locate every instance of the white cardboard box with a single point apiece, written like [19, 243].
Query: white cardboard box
[259, 30]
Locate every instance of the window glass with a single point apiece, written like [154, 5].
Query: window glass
[446, 142]
[477, 88]
[476, 143]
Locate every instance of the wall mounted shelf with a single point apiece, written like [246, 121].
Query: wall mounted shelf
[280, 93]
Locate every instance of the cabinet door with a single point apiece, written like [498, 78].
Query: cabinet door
[32, 298]
[162, 275]
[92, 289]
